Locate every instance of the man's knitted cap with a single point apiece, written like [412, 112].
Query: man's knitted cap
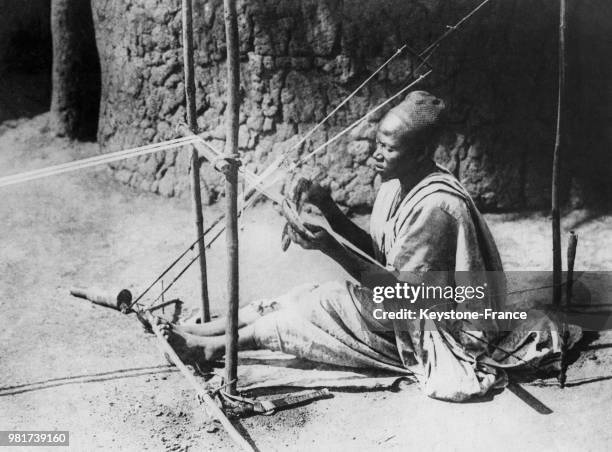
[419, 112]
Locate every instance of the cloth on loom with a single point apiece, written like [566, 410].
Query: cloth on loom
[435, 228]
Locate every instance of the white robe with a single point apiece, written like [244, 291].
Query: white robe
[436, 229]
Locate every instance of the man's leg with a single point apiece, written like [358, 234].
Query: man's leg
[198, 349]
[216, 327]
[246, 314]
[322, 324]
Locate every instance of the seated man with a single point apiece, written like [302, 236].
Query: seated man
[423, 221]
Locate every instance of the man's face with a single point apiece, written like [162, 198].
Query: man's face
[393, 155]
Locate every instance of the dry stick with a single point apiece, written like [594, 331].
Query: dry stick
[231, 192]
[195, 159]
[556, 172]
[203, 395]
[571, 257]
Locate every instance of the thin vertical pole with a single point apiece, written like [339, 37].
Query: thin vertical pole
[195, 159]
[231, 192]
[572, 244]
[556, 174]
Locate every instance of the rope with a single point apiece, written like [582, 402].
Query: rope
[295, 165]
[262, 188]
[259, 179]
[453, 28]
[423, 56]
[176, 278]
[275, 197]
[280, 159]
[93, 161]
[272, 167]
[144, 292]
[279, 198]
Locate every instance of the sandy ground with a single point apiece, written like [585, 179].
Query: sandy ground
[68, 365]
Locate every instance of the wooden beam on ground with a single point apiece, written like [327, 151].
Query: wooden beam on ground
[102, 298]
[192, 121]
[202, 394]
[231, 191]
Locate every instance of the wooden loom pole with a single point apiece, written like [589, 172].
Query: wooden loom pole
[571, 257]
[231, 191]
[195, 160]
[556, 174]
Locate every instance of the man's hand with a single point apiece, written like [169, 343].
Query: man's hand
[317, 239]
[306, 191]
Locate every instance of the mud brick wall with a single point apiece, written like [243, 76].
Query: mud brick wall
[300, 58]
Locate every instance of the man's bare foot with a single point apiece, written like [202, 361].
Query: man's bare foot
[213, 328]
[160, 321]
[216, 327]
[192, 349]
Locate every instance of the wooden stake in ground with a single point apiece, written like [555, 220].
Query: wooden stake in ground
[556, 175]
[571, 257]
[195, 159]
[572, 244]
[231, 191]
